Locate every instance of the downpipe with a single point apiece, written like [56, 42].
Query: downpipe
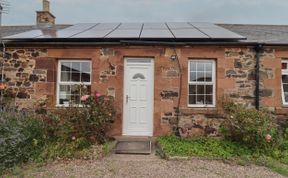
[258, 50]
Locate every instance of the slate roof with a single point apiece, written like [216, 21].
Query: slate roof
[270, 34]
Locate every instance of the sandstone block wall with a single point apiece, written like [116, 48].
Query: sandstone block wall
[32, 75]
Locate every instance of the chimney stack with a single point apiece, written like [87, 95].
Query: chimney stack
[45, 17]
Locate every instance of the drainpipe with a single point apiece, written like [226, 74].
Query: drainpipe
[258, 50]
[2, 71]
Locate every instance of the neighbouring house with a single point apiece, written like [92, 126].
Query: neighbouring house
[158, 73]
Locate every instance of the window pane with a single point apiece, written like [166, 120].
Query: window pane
[200, 66]
[64, 99]
[75, 99]
[200, 99]
[208, 67]
[75, 89]
[208, 77]
[85, 77]
[285, 87]
[209, 89]
[66, 66]
[285, 78]
[192, 89]
[75, 66]
[64, 89]
[85, 67]
[193, 76]
[200, 89]
[284, 66]
[200, 76]
[75, 77]
[192, 99]
[209, 99]
[193, 66]
[65, 76]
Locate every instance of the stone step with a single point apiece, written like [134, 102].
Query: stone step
[133, 147]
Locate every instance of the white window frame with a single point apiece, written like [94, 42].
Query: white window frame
[285, 72]
[203, 83]
[59, 82]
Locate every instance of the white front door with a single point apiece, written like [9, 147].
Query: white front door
[138, 97]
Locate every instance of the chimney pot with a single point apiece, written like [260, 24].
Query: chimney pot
[46, 5]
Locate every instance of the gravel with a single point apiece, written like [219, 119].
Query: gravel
[135, 166]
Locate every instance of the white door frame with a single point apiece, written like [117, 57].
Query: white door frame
[151, 86]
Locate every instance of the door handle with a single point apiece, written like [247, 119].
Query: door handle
[127, 98]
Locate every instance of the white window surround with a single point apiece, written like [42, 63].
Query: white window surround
[213, 82]
[284, 72]
[59, 82]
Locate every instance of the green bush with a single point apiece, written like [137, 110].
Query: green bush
[250, 127]
[89, 121]
[21, 138]
[203, 147]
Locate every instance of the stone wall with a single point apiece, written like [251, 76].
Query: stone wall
[21, 76]
[32, 74]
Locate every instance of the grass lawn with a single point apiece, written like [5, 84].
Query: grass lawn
[172, 146]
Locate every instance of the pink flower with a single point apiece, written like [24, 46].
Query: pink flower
[73, 138]
[268, 138]
[98, 95]
[84, 97]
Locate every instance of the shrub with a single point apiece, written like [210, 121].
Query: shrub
[251, 127]
[89, 121]
[21, 138]
[203, 147]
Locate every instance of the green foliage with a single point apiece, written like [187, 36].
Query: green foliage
[250, 127]
[21, 138]
[89, 121]
[203, 147]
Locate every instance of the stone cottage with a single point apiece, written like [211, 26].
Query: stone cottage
[158, 73]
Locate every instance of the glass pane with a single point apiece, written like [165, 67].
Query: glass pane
[192, 89]
[208, 77]
[200, 89]
[193, 66]
[64, 99]
[75, 77]
[75, 66]
[85, 67]
[209, 99]
[85, 77]
[285, 78]
[64, 89]
[75, 99]
[192, 99]
[208, 67]
[200, 66]
[65, 76]
[66, 66]
[75, 89]
[200, 99]
[209, 89]
[200, 76]
[284, 65]
[285, 87]
[193, 76]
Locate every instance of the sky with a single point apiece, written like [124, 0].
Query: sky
[22, 12]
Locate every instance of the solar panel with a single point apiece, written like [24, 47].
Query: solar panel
[98, 31]
[185, 30]
[173, 30]
[126, 30]
[26, 35]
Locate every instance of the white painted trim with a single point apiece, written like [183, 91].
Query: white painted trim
[126, 65]
[285, 72]
[68, 83]
[203, 83]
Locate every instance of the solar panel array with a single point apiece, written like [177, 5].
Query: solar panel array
[173, 30]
